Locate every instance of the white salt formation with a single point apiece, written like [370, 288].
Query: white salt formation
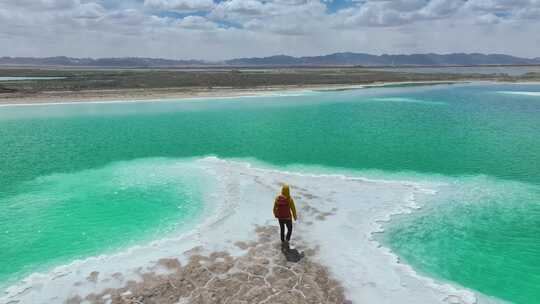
[234, 256]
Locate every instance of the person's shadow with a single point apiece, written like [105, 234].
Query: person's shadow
[292, 255]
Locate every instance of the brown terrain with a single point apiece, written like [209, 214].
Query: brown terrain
[262, 275]
[111, 84]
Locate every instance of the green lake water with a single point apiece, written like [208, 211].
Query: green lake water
[75, 178]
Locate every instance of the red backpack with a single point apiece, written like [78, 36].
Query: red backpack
[282, 210]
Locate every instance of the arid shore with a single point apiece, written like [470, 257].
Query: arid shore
[118, 85]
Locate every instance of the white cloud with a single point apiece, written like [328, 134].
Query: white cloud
[41, 4]
[196, 23]
[497, 5]
[371, 14]
[89, 11]
[286, 17]
[441, 8]
[488, 19]
[395, 13]
[180, 5]
[238, 10]
[265, 27]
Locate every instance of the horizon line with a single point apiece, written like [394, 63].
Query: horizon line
[270, 56]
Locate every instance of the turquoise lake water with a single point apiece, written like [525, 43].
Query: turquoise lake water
[82, 179]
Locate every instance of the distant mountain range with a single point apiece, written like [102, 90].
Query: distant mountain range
[336, 59]
[353, 59]
[100, 62]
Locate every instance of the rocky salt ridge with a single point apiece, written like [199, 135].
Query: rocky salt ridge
[224, 255]
[262, 275]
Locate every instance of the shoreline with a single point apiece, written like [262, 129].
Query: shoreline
[323, 211]
[193, 93]
[149, 95]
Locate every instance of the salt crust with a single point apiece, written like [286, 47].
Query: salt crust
[235, 249]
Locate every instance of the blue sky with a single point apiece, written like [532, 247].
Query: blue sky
[221, 29]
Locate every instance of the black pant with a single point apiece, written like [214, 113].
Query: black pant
[282, 223]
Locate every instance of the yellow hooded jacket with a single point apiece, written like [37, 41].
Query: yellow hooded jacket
[285, 191]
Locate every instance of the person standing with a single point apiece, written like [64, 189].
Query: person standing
[285, 212]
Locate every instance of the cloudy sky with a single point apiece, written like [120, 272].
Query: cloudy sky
[222, 29]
